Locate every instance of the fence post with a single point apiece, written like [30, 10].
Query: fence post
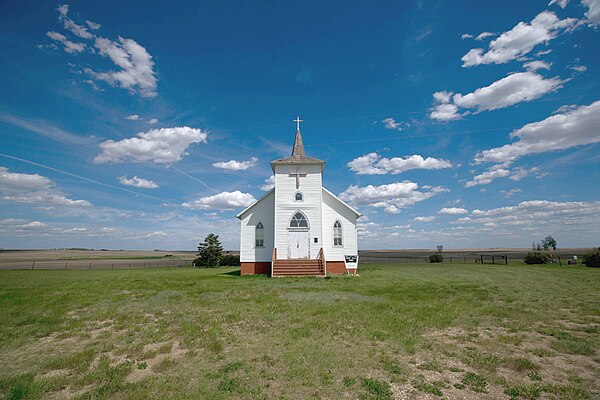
[559, 262]
[90, 266]
[506, 259]
[112, 266]
[66, 265]
[33, 265]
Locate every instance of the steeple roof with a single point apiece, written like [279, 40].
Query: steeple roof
[298, 156]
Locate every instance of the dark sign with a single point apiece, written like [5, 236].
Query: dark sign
[350, 259]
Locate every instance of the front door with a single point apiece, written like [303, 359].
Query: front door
[298, 244]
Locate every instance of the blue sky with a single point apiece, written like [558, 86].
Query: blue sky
[136, 126]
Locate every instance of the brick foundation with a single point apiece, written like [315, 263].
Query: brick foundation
[253, 268]
[336, 267]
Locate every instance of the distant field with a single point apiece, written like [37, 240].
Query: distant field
[458, 331]
[119, 259]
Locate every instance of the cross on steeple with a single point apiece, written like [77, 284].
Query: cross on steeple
[298, 175]
[297, 121]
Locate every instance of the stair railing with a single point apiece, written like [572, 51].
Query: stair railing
[322, 262]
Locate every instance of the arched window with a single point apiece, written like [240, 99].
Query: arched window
[299, 221]
[260, 235]
[337, 234]
[299, 196]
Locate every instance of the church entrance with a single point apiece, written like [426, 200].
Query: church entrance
[298, 237]
[298, 242]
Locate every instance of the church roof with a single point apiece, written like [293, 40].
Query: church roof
[298, 156]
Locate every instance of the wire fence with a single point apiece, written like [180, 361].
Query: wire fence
[94, 264]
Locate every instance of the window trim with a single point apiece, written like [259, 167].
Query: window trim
[341, 233]
[260, 227]
[298, 228]
[301, 196]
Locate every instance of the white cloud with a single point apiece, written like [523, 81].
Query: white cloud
[268, 184]
[511, 192]
[537, 64]
[374, 164]
[222, 201]
[452, 211]
[484, 35]
[133, 117]
[234, 165]
[424, 219]
[136, 72]
[135, 64]
[34, 189]
[578, 68]
[515, 88]
[391, 197]
[33, 225]
[561, 3]
[520, 40]
[70, 47]
[162, 146]
[70, 25]
[466, 36]
[488, 176]
[157, 234]
[391, 123]
[561, 131]
[153, 121]
[593, 12]
[138, 182]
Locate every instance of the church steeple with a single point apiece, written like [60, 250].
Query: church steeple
[298, 155]
[298, 150]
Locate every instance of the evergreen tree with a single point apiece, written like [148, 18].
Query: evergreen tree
[549, 242]
[209, 252]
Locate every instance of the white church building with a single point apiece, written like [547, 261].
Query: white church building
[298, 227]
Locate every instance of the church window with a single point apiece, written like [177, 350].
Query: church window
[299, 196]
[260, 235]
[299, 221]
[337, 234]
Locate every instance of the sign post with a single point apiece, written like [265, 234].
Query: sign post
[351, 264]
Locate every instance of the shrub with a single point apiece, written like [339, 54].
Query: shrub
[535, 257]
[436, 258]
[592, 258]
[230, 260]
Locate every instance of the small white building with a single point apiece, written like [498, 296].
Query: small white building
[298, 227]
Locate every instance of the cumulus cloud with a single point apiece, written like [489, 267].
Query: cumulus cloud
[574, 127]
[593, 12]
[153, 121]
[138, 182]
[510, 90]
[391, 197]
[135, 65]
[374, 164]
[452, 211]
[424, 219]
[484, 35]
[157, 234]
[561, 3]
[222, 201]
[133, 117]
[234, 165]
[268, 184]
[33, 225]
[136, 72]
[537, 64]
[162, 146]
[70, 47]
[391, 123]
[488, 176]
[34, 189]
[520, 40]
[70, 25]
[511, 192]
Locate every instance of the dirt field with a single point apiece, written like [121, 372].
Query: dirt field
[92, 259]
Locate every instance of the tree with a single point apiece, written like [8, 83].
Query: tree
[209, 252]
[548, 243]
[440, 248]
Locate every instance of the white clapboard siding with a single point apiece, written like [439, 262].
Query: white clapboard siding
[334, 209]
[261, 211]
[286, 205]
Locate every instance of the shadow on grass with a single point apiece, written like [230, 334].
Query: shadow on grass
[236, 272]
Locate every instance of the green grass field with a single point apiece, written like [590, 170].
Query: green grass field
[397, 331]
